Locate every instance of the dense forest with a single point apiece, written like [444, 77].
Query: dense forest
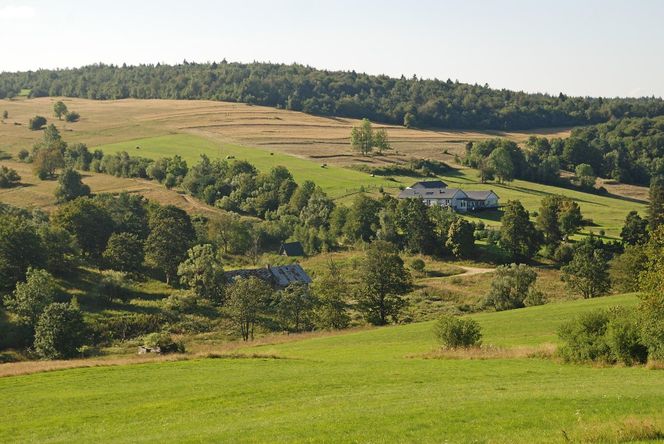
[408, 101]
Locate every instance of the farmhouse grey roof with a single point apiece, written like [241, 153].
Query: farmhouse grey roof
[291, 249]
[428, 184]
[479, 195]
[279, 276]
[442, 193]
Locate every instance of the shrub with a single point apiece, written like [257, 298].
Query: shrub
[23, 155]
[417, 265]
[107, 329]
[37, 123]
[182, 301]
[60, 331]
[606, 336]
[8, 177]
[72, 116]
[164, 343]
[454, 332]
[511, 286]
[113, 287]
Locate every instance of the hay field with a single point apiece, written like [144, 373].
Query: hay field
[288, 132]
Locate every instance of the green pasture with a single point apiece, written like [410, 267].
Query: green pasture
[607, 213]
[366, 386]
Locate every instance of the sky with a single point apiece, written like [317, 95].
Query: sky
[584, 47]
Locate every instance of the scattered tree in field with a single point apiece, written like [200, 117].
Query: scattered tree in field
[635, 229]
[558, 218]
[171, 235]
[90, 224]
[518, 236]
[124, 252]
[461, 238]
[587, 273]
[409, 120]
[453, 332]
[485, 170]
[332, 291]
[413, 221]
[656, 203]
[294, 307]
[5, 115]
[364, 139]
[60, 249]
[512, 287]
[72, 116]
[247, 300]
[502, 165]
[381, 141]
[45, 161]
[203, 273]
[361, 137]
[8, 177]
[651, 307]
[60, 331]
[32, 297]
[385, 280]
[23, 155]
[59, 109]
[624, 269]
[585, 175]
[70, 186]
[20, 248]
[37, 123]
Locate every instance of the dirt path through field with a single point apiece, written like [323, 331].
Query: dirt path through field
[470, 271]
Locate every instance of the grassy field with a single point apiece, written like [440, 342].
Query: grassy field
[608, 213]
[269, 137]
[366, 386]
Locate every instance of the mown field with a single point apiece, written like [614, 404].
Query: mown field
[268, 137]
[607, 213]
[364, 386]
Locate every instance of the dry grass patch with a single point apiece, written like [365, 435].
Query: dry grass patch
[630, 429]
[543, 351]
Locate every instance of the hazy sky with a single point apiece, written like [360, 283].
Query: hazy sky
[607, 48]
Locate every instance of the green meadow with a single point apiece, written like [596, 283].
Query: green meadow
[607, 213]
[363, 386]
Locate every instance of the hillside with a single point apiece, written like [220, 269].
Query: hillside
[415, 102]
[267, 137]
[372, 385]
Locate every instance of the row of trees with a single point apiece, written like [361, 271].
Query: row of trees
[406, 101]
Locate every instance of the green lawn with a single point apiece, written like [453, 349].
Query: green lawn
[356, 387]
[606, 212]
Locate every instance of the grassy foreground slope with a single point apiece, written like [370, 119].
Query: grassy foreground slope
[364, 386]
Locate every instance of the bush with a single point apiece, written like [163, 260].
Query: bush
[107, 329]
[23, 155]
[605, 336]
[163, 343]
[454, 332]
[417, 265]
[181, 301]
[72, 116]
[37, 123]
[60, 331]
[8, 177]
[511, 286]
[112, 287]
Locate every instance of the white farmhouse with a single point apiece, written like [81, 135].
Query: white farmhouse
[436, 192]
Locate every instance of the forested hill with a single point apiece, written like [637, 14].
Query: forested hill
[429, 103]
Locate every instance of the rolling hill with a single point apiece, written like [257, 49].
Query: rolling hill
[374, 385]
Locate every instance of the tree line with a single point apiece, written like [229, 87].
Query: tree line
[407, 101]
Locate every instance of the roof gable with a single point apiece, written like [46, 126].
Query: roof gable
[429, 184]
